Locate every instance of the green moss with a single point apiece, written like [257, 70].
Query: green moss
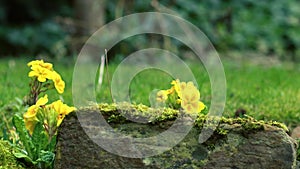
[107, 107]
[7, 159]
[222, 131]
[187, 154]
[116, 114]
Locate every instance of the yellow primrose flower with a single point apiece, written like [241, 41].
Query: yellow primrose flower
[32, 110]
[30, 116]
[190, 89]
[190, 106]
[178, 101]
[42, 101]
[190, 98]
[62, 110]
[201, 106]
[59, 119]
[58, 82]
[41, 63]
[170, 91]
[40, 72]
[30, 124]
[35, 62]
[176, 85]
[162, 95]
[179, 86]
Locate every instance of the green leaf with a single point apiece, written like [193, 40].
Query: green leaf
[24, 135]
[52, 144]
[39, 138]
[23, 156]
[46, 157]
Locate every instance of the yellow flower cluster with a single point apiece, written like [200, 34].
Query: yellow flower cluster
[60, 111]
[188, 96]
[44, 71]
[30, 118]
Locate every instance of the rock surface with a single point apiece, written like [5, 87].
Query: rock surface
[236, 144]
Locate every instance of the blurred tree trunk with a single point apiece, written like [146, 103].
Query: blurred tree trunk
[89, 17]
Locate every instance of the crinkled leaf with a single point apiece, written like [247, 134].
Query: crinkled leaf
[24, 135]
[46, 157]
[39, 137]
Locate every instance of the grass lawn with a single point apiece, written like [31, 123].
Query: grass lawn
[266, 91]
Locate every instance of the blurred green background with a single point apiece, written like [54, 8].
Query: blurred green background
[58, 28]
[258, 43]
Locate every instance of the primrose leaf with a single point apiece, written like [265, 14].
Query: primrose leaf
[46, 157]
[23, 156]
[52, 144]
[39, 137]
[24, 135]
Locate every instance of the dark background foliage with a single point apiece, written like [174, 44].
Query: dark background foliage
[269, 27]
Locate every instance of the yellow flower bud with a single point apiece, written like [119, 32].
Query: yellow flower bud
[32, 110]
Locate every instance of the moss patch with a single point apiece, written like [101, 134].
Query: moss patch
[7, 159]
[116, 114]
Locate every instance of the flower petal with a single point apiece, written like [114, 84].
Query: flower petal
[42, 101]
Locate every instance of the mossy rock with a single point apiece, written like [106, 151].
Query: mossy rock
[236, 143]
[7, 159]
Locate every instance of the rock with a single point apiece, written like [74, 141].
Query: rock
[7, 159]
[236, 144]
[296, 133]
